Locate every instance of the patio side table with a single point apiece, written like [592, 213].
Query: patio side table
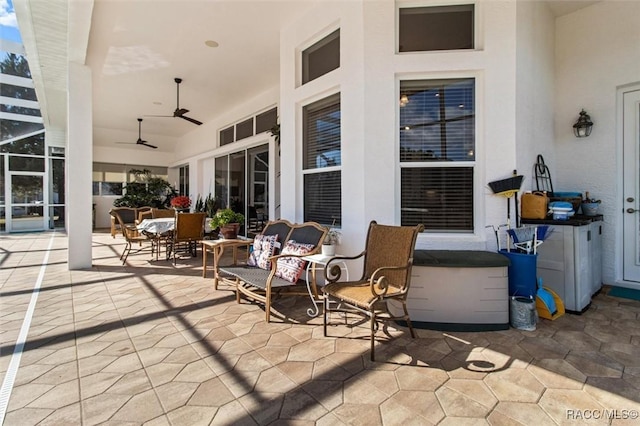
[318, 262]
[217, 247]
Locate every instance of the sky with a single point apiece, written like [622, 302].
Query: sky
[8, 23]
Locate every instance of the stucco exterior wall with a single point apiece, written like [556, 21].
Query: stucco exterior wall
[368, 80]
[533, 74]
[348, 81]
[535, 78]
[597, 52]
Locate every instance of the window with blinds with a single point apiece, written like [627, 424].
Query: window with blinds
[437, 153]
[110, 179]
[322, 161]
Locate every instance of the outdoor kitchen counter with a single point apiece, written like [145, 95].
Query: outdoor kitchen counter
[462, 290]
[575, 220]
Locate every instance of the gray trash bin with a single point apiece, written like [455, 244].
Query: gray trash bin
[522, 313]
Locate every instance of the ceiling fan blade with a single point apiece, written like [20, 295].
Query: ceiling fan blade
[193, 120]
[179, 112]
[147, 144]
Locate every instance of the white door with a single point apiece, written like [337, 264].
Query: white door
[26, 209]
[631, 186]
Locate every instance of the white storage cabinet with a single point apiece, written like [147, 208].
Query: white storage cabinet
[570, 263]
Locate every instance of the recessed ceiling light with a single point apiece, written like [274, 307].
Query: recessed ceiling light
[157, 103]
[211, 43]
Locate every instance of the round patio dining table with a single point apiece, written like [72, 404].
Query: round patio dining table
[157, 226]
[157, 230]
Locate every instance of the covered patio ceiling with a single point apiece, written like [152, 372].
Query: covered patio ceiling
[135, 49]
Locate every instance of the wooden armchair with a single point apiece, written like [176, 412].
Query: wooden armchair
[188, 231]
[386, 276]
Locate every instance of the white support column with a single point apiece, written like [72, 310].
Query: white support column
[79, 166]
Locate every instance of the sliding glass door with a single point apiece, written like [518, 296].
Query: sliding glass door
[258, 187]
[242, 183]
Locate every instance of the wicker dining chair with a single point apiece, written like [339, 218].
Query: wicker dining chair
[386, 276]
[130, 233]
[158, 213]
[187, 232]
[144, 214]
[128, 216]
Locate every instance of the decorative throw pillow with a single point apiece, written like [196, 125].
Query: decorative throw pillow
[290, 268]
[263, 248]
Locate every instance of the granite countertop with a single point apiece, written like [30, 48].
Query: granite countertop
[575, 220]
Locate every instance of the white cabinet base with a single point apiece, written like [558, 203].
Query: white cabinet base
[570, 263]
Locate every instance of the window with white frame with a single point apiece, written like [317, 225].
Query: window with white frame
[259, 123]
[431, 28]
[321, 58]
[322, 161]
[183, 183]
[110, 179]
[437, 153]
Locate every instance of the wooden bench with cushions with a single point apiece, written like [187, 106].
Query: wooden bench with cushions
[275, 264]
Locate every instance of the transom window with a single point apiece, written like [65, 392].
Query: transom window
[435, 28]
[321, 58]
[254, 125]
[437, 153]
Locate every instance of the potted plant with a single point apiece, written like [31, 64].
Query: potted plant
[181, 203]
[228, 221]
[208, 205]
[211, 205]
[199, 205]
[330, 240]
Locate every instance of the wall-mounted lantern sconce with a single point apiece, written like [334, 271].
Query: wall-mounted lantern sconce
[583, 126]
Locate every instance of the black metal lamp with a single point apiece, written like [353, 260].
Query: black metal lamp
[583, 126]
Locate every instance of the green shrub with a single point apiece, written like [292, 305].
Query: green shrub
[226, 216]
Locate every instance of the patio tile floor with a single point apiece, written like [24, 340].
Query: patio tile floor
[152, 343]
